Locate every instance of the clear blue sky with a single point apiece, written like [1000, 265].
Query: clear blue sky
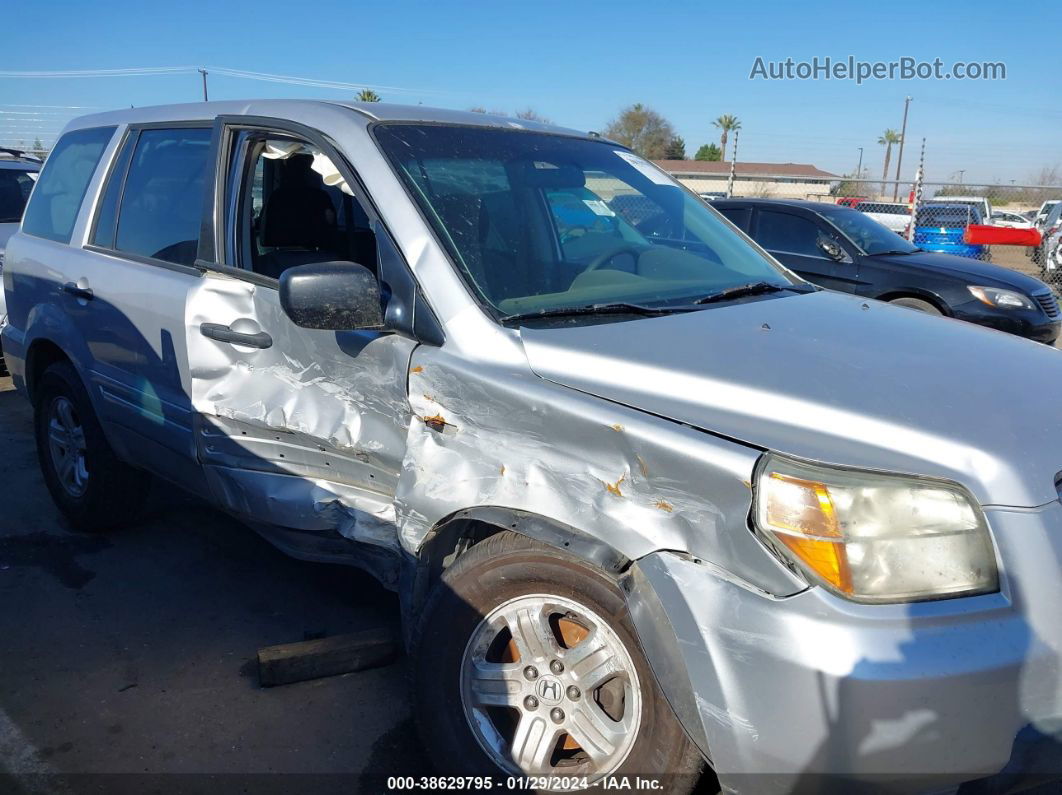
[580, 62]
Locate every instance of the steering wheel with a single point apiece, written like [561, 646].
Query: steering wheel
[611, 252]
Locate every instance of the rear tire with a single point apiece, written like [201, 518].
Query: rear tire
[567, 614]
[92, 488]
[917, 304]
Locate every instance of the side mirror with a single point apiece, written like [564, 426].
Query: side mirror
[339, 296]
[831, 248]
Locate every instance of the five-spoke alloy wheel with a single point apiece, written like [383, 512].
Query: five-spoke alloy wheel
[526, 664]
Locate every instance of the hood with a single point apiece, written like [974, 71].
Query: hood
[832, 378]
[975, 272]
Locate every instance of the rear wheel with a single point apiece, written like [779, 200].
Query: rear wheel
[916, 303]
[90, 485]
[526, 664]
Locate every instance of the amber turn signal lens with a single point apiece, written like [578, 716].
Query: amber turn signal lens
[802, 516]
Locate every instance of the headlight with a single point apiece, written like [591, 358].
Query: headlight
[1003, 299]
[873, 537]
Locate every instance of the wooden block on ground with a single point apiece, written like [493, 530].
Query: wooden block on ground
[340, 654]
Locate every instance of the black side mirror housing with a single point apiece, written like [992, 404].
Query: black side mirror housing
[832, 249]
[339, 296]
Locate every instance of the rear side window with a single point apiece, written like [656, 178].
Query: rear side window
[162, 201]
[61, 187]
[784, 232]
[738, 216]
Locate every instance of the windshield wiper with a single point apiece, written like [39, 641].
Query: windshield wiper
[753, 288]
[616, 308]
[896, 251]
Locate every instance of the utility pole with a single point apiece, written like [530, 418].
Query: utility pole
[899, 157]
[203, 72]
[961, 172]
[859, 168]
[733, 168]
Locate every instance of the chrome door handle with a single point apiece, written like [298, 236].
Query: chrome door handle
[216, 331]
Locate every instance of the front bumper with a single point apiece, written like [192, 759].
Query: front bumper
[1033, 324]
[815, 693]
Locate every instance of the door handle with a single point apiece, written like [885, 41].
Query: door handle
[84, 293]
[221, 333]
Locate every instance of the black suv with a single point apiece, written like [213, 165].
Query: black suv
[842, 249]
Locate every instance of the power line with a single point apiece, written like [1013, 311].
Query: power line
[221, 70]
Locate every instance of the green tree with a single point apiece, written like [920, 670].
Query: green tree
[368, 95]
[887, 139]
[676, 149]
[709, 152]
[643, 130]
[38, 149]
[726, 124]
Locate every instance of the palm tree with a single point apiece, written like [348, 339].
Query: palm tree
[726, 123]
[368, 95]
[887, 139]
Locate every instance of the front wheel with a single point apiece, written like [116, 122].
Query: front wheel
[526, 664]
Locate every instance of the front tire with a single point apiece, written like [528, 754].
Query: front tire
[526, 664]
[89, 484]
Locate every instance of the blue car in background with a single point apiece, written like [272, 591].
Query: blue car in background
[940, 227]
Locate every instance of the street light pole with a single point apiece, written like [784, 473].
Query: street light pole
[203, 72]
[859, 168]
[961, 172]
[899, 157]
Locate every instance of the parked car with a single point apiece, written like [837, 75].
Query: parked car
[893, 216]
[1048, 255]
[1044, 211]
[983, 205]
[17, 175]
[851, 201]
[1010, 220]
[646, 499]
[844, 250]
[942, 228]
[712, 195]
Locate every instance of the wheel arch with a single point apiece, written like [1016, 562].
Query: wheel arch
[42, 354]
[920, 294]
[455, 534]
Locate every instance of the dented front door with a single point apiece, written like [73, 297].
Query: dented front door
[299, 428]
[296, 427]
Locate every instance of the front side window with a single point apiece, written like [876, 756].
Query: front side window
[162, 201]
[295, 208]
[55, 203]
[792, 234]
[539, 222]
[867, 234]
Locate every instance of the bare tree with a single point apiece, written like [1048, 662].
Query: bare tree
[530, 114]
[643, 130]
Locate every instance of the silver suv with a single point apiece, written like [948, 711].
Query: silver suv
[647, 497]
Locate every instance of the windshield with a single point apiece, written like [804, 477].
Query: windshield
[15, 187]
[540, 222]
[870, 236]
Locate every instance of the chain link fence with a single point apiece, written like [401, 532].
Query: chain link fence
[1015, 226]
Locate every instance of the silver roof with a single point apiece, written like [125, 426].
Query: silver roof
[299, 108]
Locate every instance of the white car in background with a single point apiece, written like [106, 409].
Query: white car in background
[1045, 210]
[980, 202]
[1010, 220]
[891, 215]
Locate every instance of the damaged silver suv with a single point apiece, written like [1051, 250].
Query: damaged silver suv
[648, 498]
